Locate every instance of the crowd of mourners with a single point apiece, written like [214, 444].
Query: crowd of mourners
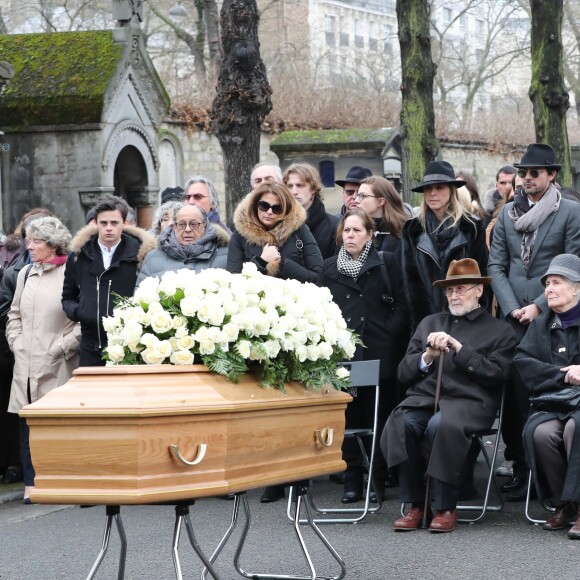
[463, 299]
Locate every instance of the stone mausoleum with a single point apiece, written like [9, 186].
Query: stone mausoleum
[80, 113]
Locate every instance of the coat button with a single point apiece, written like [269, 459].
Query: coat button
[348, 319]
[362, 318]
[456, 321]
[348, 295]
[361, 295]
[470, 369]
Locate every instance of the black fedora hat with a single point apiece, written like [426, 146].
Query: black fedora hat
[355, 175]
[539, 155]
[438, 172]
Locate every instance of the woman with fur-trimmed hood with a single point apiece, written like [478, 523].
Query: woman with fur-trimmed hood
[271, 232]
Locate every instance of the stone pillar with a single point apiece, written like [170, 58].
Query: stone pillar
[143, 199]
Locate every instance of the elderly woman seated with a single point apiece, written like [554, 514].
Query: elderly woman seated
[548, 360]
[191, 242]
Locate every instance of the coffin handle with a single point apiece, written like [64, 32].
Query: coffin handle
[325, 441]
[202, 448]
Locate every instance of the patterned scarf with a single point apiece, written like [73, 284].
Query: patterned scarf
[350, 267]
[528, 219]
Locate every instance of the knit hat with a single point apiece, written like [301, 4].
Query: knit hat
[567, 265]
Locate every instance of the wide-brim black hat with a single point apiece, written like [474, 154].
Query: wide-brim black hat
[438, 172]
[539, 155]
[355, 175]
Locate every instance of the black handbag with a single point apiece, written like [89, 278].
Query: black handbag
[563, 401]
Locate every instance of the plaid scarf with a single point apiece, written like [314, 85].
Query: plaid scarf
[347, 265]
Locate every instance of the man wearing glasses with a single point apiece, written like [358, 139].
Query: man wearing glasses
[201, 192]
[350, 185]
[192, 242]
[531, 230]
[478, 355]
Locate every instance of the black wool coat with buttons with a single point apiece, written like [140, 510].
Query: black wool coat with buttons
[378, 315]
[470, 392]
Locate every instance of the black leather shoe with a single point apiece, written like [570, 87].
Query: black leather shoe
[514, 484]
[520, 493]
[351, 496]
[12, 474]
[375, 498]
[273, 493]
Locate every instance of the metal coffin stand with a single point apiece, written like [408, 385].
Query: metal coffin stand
[363, 374]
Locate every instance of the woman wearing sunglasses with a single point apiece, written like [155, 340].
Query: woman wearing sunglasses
[442, 232]
[271, 232]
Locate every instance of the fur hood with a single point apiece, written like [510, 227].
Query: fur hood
[250, 228]
[223, 238]
[84, 235]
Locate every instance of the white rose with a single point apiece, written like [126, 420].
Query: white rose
[179, 322]
[154, 308]
[134, 346]
[161, 322]
[133, 314]
[206, 347]
[249, 269]
[148, 291]
[313, 352]
[173, 342]
[325, 350]
[201, 334]
[164, 348]
[149, 340]
[301, 353]
[168, 284]
[256, 353]
[231, 307]
[272, 348]
[181, 331]
[132, 331]
[231, 331]
[243, 348]
[342, 373]
[152, 356]
[111, 323]
[116, 352]
[181, 357]
[186, 342]
[189, 305]
[216, 316]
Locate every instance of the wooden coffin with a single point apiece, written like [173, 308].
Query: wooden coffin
[148, 434]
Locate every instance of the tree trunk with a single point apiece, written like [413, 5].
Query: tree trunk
[213, 35]
[417, 131]
[243, 97]
[547, 92]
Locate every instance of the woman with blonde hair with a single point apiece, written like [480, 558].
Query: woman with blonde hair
[443, 231]
[379, 198]
[303, 180]
[44, 341]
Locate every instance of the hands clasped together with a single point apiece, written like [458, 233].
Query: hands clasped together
[438, 342]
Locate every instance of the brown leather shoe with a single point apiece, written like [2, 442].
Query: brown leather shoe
[562, 517]
[410, 521]
[574, 531]
[444, 521]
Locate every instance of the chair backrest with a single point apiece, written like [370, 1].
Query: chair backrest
[364, 373]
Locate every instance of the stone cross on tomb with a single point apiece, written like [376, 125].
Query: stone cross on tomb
[128, 11]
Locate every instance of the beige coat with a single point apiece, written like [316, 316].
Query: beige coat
[44, 341]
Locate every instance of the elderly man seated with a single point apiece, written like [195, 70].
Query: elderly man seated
[480, 349]
[191, 242]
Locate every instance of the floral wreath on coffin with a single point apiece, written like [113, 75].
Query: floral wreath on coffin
[281, 330]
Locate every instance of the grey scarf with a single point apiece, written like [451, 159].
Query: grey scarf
[528, 222]
[201, 249]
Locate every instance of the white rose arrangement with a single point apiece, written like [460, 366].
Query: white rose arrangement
[281, 330]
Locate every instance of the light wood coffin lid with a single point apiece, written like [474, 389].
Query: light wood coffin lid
[103, 437]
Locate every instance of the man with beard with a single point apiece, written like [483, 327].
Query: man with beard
[479, 351]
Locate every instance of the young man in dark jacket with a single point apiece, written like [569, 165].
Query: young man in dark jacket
[105, 262]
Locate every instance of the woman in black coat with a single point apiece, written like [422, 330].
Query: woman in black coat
[442, 232]
[303, 180]
[366, 285]
[271, 232]
[547, 360]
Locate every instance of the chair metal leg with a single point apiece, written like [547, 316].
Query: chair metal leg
[182, 515]
[362, 511]
[532, 520]
[301, 492]
[113, 513]
[491, 479]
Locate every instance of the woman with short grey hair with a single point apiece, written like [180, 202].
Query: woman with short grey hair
[163, 216]
[44, 341]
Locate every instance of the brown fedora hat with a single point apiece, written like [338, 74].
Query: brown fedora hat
[461, 271]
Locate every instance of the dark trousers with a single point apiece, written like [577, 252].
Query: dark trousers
[516, 409]
[9, 429]
[359, 415]
[420, 429]
[27, 468]
[90, 355]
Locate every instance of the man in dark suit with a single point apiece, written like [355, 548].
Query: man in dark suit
[537, 226]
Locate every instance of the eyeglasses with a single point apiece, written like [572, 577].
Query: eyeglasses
[533, 172]
[196, 196]
[460, 291]
[264, 206]
[350, 192]
[359, 195]
[192, 225]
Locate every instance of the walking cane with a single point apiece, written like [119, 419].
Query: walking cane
[437, 394]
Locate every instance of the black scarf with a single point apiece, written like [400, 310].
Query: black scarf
[441, 233]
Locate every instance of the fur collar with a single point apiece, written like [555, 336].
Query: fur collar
[253, 231]
[84, 235]
[223, 238]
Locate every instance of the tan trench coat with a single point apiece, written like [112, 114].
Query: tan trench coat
[44, 341]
